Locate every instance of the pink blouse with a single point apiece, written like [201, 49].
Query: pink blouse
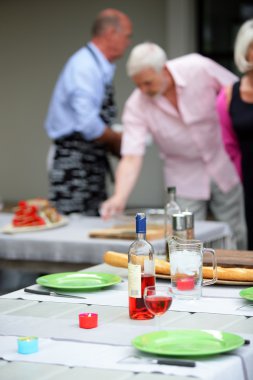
[229, 137]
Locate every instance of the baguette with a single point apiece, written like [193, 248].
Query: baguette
[117, 259]
[229, 274]
[163, 267]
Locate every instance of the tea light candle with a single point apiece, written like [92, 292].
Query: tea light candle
[88, 320]
[28, 345]
[186, 283]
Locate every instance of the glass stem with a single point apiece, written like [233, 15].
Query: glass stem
[157, 323]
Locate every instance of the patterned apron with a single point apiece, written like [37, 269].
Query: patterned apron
[78, 174]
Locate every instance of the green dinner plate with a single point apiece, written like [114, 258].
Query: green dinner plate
[78, 280]
[187, 342]
[247, 294]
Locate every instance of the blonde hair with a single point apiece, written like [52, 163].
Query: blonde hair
[145, 55]
[243, 41]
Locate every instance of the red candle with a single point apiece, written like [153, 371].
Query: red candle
[186, 283]
[88, 320]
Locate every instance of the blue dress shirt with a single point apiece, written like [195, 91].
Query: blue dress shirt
[78, 95]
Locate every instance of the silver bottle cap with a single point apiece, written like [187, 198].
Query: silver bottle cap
[189, 216]
[178, 222]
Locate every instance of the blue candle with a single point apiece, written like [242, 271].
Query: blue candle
[28, 345]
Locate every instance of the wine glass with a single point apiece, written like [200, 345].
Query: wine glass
[158, 299]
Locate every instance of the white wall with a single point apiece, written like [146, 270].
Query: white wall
[36, 38]
[180, 27]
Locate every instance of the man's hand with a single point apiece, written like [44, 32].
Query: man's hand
[112, 140]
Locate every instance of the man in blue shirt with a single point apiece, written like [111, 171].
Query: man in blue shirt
[80, 114]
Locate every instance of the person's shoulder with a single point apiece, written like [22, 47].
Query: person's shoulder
[224, 97]
[188, 65]
[202, 61]
[197, 64]
[195, 59]
[228, 90]
[81, 63]
[81, 55]
[186, 58]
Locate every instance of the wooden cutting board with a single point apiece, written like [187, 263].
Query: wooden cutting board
[226, 257]
[126, 232]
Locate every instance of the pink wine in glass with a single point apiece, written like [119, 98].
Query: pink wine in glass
[158, 305]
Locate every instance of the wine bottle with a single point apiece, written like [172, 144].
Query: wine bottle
[171, 207]
[141, 270]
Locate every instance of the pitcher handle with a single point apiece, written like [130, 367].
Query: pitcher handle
[214, 279]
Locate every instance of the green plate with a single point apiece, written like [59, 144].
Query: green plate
[187, 342]
[78, 280]
[247, 294]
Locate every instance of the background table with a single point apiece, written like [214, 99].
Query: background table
[70, 246]
[100, 353]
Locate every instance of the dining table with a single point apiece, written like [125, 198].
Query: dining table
[108, 351]
[70, 246]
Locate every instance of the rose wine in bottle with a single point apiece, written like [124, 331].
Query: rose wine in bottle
[141, 270]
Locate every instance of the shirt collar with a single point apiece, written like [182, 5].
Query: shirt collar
[179, 80]
[107, 67]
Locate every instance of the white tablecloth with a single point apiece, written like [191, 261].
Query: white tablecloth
[108, 347]
[108, 357]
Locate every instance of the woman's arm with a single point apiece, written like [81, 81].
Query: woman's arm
[228, 135]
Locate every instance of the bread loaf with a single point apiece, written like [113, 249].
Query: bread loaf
[163, 267]
[117, 259]
[229, 274]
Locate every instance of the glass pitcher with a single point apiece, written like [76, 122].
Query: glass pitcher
[186, 263]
